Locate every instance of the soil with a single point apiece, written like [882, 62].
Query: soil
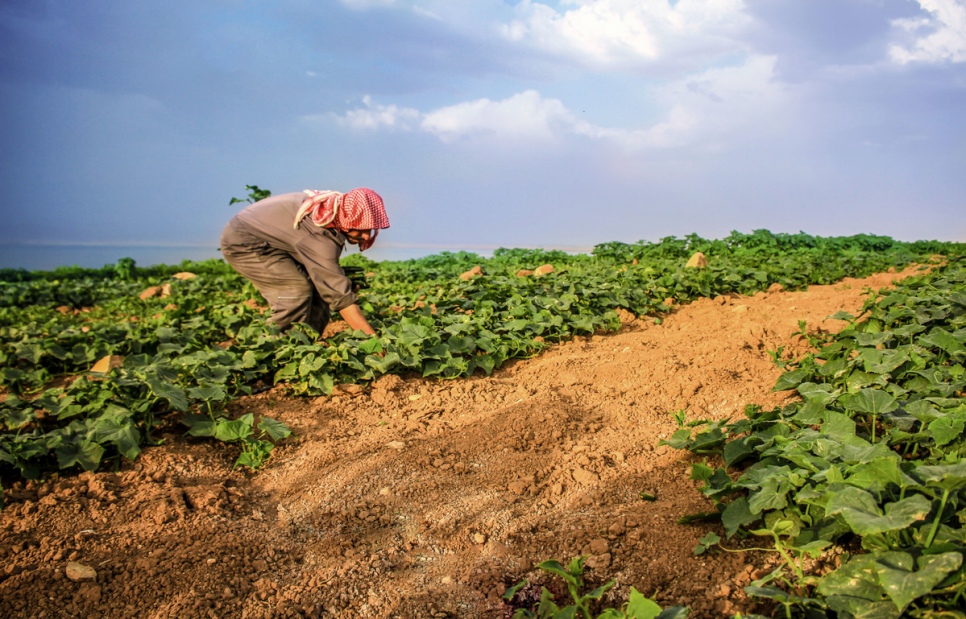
[424, 498]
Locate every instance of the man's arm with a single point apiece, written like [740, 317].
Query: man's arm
[355, 318]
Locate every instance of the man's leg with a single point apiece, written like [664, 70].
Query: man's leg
[280, 279]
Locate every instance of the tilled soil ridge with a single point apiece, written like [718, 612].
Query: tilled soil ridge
[417, 498]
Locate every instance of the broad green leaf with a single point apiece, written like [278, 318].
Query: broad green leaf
[383, 364]
[946, 477]
[942, 339]
[230, 431]
[86, 453]
[371, 346]
[736, 515]
[199, 425]
[209, 393]
[858, 608]
[946, 429]
[167, 390]
[862, 513]
[117, 426]
[737, 450]
[871, 401]
[818, 392]
[790, 380]
[275, 429]
[641, 607]
[903, 585]
[878, 474]
[856, 579]
[838, 426]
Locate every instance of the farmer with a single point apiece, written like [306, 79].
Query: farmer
[289, 247]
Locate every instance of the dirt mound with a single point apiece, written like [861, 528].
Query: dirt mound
[419, 498]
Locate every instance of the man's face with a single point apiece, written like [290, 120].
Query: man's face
[357, 236]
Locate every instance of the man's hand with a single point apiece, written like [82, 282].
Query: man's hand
[355, 318]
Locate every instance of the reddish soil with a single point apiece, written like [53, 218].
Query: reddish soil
[420, 498]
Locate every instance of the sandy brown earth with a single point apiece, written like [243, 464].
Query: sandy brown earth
[421, 498]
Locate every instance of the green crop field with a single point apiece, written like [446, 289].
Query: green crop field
[870, 459]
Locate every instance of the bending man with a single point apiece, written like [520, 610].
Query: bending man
[289, 247]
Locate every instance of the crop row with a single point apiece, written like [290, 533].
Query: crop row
[870, 460]
[207, 342]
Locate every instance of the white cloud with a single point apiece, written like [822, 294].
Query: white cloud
[628, 32]
[946, 38]
[705, 109]
[523, 115]
[374, 116]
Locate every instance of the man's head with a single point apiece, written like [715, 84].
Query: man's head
[361, 216]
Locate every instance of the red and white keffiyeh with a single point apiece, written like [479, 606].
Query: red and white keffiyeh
[359, 209]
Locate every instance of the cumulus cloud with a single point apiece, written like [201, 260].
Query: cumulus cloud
[940, 37]
[523, 115]
[703, 108]
[374, 116]
[628, 32]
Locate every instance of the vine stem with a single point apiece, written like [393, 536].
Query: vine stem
[939, 515]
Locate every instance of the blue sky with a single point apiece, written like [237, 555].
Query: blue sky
[486, 123]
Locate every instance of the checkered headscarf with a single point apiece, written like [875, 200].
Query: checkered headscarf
[360, 209]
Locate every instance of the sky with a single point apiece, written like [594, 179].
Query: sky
[484, 123]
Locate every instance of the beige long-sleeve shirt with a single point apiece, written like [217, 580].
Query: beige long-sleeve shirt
[317, 249]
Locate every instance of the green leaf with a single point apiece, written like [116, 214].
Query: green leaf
[947, 476]
[210, 393]
[737, 515]
[946, 429]
[167, 390]
[230, 431]
[199, 425]
[371, 346]
[86, 453]
[641, 607]
[861, 511]
[790, 380]
[857, 578]
[556, 568]
[275, 429]
[512, 591]
[939, 338]
[820, 393]
[737, 450]
[116, 426]
[903, 585]
[871, 401]
[878, 474]
[599, 592]
[254, 454]
[383, 364]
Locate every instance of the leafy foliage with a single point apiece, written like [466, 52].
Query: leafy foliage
[192, 352]
[638, 606]
[872, 455]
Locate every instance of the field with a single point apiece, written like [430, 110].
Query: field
[652, 417]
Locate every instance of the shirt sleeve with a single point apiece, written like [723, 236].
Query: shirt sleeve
[319, 254]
